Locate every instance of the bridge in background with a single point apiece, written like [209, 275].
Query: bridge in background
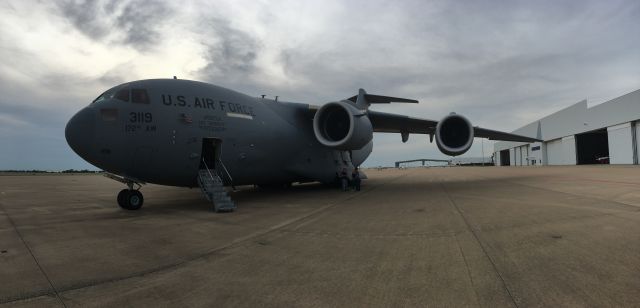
[423, 161]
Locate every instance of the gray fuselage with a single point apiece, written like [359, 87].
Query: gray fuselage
[157, 135]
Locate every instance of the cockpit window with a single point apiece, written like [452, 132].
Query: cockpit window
[139, 96]
[106, 95]
[122, 94]
[125, 94]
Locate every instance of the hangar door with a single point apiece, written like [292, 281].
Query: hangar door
[593, 147]
[554, 152]
[524, 155]
[621, 145]
[504, 158]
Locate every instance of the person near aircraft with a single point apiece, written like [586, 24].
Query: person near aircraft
[355, 179]
[344, 180]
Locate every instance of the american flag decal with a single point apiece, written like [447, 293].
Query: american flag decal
[187, 118]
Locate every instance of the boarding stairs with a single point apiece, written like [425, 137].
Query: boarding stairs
[212, 182]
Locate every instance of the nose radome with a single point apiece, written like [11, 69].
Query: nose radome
[80, 132]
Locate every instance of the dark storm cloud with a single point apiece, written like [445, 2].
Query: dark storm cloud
[86, 16]
[134, 23]
[139, 19]
[32, 122]
[230, 52]
[458, 54]
[513, 56]
[331, 77]
[48, 105]
[501, 63]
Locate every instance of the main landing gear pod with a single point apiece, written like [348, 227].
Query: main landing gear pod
[128, 199]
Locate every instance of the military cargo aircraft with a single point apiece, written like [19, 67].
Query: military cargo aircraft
[193, 134]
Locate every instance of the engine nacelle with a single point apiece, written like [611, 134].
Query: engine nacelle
[454, 135]
[342, 126]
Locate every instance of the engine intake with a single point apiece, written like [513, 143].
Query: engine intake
[454, 135]
[342, 126]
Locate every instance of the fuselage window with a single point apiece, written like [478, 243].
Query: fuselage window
[123, 95]
[139, 96]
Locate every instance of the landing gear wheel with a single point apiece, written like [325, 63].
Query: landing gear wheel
[135, 200]
[130, 199]
[122, 195]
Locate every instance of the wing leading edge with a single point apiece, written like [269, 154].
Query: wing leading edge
[394, 123]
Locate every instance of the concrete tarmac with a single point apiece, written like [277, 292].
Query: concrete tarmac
[484, 236]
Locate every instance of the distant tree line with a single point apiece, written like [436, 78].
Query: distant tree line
[81, 171]
[47, 171]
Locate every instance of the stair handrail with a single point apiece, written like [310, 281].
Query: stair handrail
[207, 167]
[219, 161]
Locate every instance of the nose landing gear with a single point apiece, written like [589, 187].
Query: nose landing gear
[128, 199]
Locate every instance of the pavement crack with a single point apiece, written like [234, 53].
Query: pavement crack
[466, 264]
[44, 273]
[482, 246]
[425, 235]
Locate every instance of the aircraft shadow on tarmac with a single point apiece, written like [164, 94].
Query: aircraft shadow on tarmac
[252, 198]
[248, 197]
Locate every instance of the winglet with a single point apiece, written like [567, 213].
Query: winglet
[361, 100]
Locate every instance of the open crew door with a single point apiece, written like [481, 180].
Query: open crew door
[210, 153]
[210, 179]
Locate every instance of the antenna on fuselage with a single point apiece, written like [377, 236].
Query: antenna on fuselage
[276, 98]
[174, 77]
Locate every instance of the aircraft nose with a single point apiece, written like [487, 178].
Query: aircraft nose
[80, 132]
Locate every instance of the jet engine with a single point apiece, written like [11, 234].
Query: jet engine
[454, 135]
[342, 126]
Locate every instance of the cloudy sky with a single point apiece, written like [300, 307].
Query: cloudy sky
[501, 63]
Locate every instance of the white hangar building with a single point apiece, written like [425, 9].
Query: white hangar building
[603, 134]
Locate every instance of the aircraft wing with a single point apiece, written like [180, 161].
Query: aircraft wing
[502, 136]
[393, 123]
